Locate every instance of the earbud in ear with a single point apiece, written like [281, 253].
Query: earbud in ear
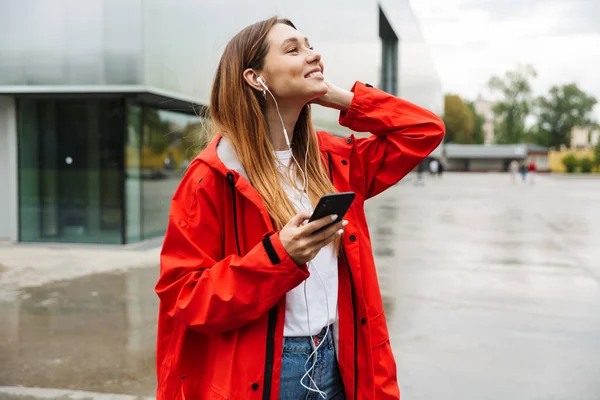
[262, 83]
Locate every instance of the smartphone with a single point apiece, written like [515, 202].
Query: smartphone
[333, 203]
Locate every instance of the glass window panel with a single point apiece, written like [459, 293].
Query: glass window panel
[166, 153]
[70, 153]
[29, 171]
[133, 183]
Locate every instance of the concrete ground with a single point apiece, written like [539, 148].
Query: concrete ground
[492, 291]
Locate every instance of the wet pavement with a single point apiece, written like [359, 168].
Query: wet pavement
[94, 333]
[492, 291]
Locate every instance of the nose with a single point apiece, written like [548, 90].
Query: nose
[314, 57]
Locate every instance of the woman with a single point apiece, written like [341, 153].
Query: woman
[250, 294]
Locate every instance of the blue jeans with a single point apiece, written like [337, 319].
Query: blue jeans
[326, 374]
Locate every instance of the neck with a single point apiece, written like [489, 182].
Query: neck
[289, 114]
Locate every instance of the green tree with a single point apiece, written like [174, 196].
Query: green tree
[534, 135]
[597, 155]
[563, 108]
[514, 105]
[194, 138]
[478, 136]
[458, 119]
[157, 136]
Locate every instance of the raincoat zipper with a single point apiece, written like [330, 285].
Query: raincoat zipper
[329, 162]
[235, 224]
[355, 326]
[270, 353]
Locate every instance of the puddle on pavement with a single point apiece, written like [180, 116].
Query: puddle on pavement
[95, 333]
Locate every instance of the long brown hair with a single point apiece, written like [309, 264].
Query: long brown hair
[238, 112]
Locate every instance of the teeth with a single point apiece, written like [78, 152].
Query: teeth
[313, 74]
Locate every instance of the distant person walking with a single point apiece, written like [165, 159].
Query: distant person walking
[443, 163]
[523, 168]
[434, 167]
[419, 181]
[531, 169]
[513, 168]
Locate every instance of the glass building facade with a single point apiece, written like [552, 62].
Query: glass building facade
[97, 99]
[98, 170]
[159, 146]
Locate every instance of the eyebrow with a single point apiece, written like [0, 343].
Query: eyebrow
[292, 40]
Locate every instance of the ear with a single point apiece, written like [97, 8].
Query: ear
[251, 78]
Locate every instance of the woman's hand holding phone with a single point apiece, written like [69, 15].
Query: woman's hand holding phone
[302, 241]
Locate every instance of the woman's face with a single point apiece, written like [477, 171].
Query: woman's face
[292, 69]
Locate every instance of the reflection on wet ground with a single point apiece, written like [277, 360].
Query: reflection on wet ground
[492, 291]
[95, 333]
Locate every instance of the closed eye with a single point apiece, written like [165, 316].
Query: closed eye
[295, 49]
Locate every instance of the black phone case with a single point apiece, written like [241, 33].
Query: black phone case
[334, 203]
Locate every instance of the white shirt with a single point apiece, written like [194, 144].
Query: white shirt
[321, 296]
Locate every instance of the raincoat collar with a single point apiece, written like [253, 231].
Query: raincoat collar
[221, 157]
[228, 156]
[211, 158]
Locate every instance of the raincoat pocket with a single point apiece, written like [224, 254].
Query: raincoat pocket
[378, 329]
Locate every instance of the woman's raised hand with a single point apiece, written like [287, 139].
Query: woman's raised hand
[336, 97]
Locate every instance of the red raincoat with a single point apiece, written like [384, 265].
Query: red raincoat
[224, 272]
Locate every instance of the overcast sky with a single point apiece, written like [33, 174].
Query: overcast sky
[471, 40]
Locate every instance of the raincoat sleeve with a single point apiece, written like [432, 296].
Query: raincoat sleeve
[213, 295]
[403, 135]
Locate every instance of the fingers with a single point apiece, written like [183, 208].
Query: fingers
[307, 240]
[330, 238]
[314, 226]
[330, 231]
[299, 218]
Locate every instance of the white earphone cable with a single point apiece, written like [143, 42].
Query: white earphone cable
[287, 141]
[314, 355]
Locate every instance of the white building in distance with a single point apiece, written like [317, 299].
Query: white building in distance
[484, 108]
[583, 138]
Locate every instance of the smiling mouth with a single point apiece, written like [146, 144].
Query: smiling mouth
[314, 74]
